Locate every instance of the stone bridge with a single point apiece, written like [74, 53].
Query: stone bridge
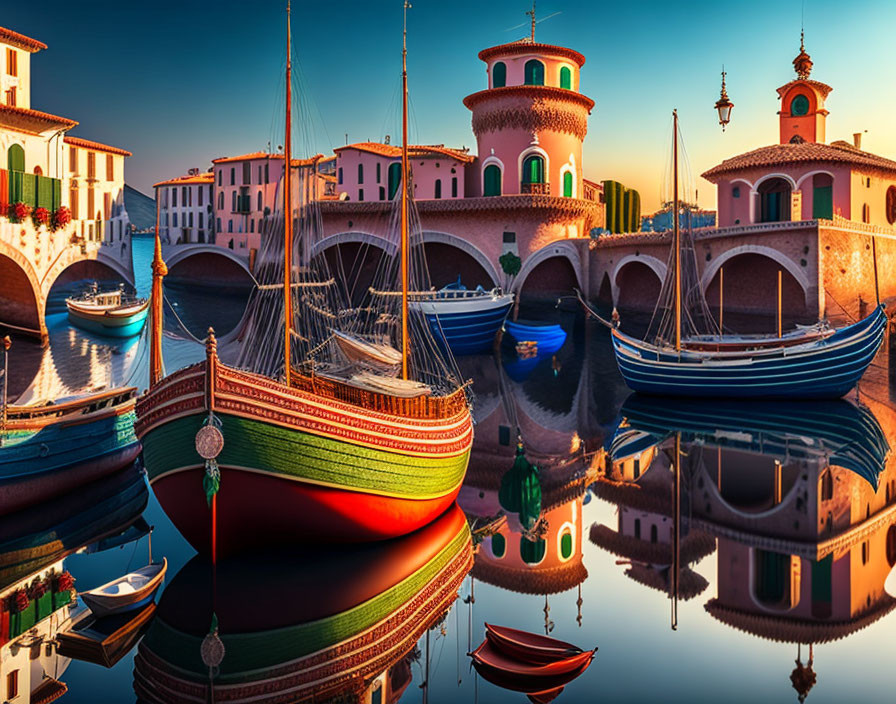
[33, 261]
[826, 267]
[198, 264]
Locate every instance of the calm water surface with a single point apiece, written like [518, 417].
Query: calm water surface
[784, 522]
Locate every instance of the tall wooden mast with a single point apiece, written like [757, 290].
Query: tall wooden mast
[287, 209]
[675, 230]
[159, 270]
[404, 195]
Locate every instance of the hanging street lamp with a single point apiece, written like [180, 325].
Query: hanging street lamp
[724, 105]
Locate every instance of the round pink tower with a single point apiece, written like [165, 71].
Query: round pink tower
[530, 122]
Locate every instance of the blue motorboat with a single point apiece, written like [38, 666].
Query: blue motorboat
[109, 313]
[548, 337]
[467, 320]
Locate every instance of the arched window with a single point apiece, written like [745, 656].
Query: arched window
[394, 178]
[499, 545]
[532, 551]
[567, 184]
[822, 196]
[491, 180]
[438, 188]
[499, 75]
[533, 169]
[534, 73]
[38, 171]
[16, 158]
[566, 545]
[799, 106]
[774, 201]
[566, 78]
[360, 173]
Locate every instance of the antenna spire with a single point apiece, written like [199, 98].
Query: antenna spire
[531, 14]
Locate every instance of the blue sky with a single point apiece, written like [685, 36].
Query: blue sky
[180, 83]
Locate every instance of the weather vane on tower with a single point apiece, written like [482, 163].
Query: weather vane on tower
[531, 14]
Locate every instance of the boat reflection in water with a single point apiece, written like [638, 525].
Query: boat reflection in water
[37, 604]
[798, 499]
[324, 624]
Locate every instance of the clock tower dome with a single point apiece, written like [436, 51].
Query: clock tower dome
[802, 114]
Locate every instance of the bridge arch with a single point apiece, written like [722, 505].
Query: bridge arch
[22, 304]
[353, 259]
[479, 271]
[541, 261]
[618, 285]
[192, 263]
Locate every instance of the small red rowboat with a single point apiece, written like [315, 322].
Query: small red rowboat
[509, 673]
[530, 647]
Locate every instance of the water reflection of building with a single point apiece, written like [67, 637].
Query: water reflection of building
[321, 625]
[36, 592]
[799, 497]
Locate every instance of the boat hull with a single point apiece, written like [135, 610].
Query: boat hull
[467, 326]
[59, 458]
[311, 469]
[549, 338]
[826, 369]
[109, 326]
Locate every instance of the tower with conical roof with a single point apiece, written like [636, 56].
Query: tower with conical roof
[802, 114]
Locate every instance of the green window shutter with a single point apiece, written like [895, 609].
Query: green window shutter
[532, 552]
[533, 170]
[566, 78]
[15, 186]
[823, 202]
[492, 178]
[534, 73]
[566, 545]
[499, 545]
[29, 189]
[16, 158]
[394, 178]
[499, 75]
[567, 184]
[57, 193]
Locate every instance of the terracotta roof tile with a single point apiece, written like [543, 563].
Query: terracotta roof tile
[550, 580]
[98, 146]
[524, 46]
[780, 154]
[265, 155]
[7, 36]
[32, 120]
[822, 88]
[533, 92]
[186, 180]
[414, 150]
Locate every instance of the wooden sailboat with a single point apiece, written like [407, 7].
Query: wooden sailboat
[812, 363]
[311, 454]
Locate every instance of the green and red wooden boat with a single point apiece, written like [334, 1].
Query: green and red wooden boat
[318, 624]
[303, 449]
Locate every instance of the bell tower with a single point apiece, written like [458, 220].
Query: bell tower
[802, 115]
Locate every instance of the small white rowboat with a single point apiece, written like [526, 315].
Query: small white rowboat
[132, 591]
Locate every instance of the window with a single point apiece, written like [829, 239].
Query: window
[233, 202]
[89, 201]
[174, 197]
[866, 213]
[259, 201]
[107, 206]
[532, 551]
[822, 197]
[637, 529]
[891, 205]
[91, 164]
[73, 202]
[534, 73]
[509, 237]
[799, 106]
[201, 225]
[12, 62]
[454, 187]
[504, 435]
[735, 192]
[219, 177]
[174, 219]
[360, 173]
[499, 75]
[110, 167]
[360, 194]
[567, 184]
[15, 158]
[199, 196]
[533, 169]
[230, 229]
[12, 684]
[653, 533]
[438, 189]
[566, 78]
[378, 172]
[11, 97]
[774, 201]
[636, 468]
[247, 172]
[394, 178]
[73, 159]
[266, 174]
[499, 545]
[251, 225]
[232, 176]
[221, 200]
[191, 218]
[183, 196]
[382, 193]
[218, 224]
[259, 173]
[491, 180]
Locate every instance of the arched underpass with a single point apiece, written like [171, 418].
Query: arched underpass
[446, 263]
[19, 306]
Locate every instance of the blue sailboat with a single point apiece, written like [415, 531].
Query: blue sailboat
[467, 320]
[815, 362]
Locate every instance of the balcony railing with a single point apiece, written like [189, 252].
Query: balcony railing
[540, 189]
[31, 189]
